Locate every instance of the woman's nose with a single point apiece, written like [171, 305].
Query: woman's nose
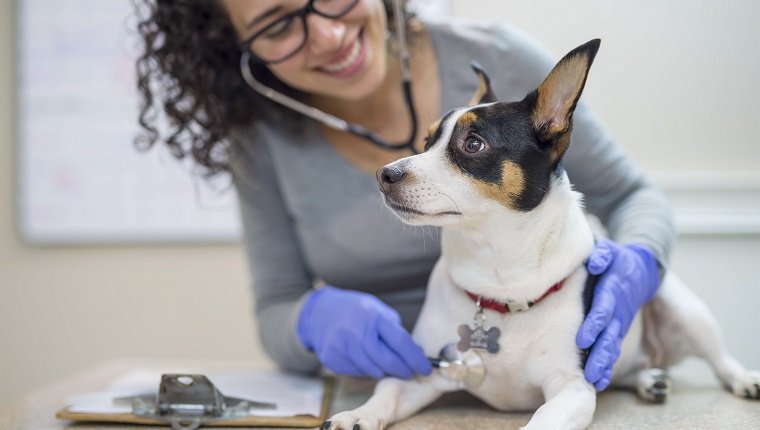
[325, 34]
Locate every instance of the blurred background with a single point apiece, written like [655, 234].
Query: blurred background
[107, 253]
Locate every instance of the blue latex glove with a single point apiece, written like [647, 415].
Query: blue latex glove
[355, 333]
[629, 278]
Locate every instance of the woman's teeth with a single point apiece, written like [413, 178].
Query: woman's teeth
[347, 62]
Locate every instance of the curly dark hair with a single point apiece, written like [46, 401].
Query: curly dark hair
[188, 72]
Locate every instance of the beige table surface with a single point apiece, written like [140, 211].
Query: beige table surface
[691, 407]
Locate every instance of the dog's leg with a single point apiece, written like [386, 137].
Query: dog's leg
[394, 399]
[652, 380]
[570, 405]
[690, 319]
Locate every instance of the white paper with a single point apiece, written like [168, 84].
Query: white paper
[293, 394]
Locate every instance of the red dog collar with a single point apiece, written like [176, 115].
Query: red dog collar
[503, 308]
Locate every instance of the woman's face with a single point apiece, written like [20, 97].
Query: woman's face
[342, 58]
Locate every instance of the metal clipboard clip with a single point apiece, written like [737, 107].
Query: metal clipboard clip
[188, 401]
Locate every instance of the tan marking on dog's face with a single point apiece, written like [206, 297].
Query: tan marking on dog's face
[433, 129]
[511, 185]
[466, 119]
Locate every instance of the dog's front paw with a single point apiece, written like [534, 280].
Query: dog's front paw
[352, 421]
[747, 385]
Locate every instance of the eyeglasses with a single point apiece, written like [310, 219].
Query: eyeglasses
[284, 37]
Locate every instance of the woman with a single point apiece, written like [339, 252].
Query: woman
[310, 210]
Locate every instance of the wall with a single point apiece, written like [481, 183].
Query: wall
[660, 82]
[673, 79]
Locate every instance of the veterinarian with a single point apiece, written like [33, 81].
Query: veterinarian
[302, 101]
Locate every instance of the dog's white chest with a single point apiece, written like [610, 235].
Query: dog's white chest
[532, 344]
[531, 348]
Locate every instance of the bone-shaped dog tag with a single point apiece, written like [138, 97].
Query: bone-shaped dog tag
[477, 337]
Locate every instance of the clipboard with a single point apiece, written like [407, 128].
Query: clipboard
[190, 401]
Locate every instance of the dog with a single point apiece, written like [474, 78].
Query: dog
[514, 233]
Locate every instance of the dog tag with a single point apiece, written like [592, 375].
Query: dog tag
[477, 337]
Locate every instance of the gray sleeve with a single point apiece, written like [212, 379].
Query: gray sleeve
[614, 189]
[280, 279]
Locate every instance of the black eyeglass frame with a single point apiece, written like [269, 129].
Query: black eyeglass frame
[302, 13]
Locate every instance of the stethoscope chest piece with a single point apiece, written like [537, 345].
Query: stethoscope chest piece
[465, 367]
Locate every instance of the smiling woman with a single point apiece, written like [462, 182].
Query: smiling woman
[308, 193]
[192, 50]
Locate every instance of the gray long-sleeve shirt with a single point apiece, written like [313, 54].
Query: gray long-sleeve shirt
[308, 215]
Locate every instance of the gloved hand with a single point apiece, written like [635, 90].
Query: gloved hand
[354, 333]
[629, 278]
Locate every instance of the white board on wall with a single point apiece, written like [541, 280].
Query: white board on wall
[80, 178]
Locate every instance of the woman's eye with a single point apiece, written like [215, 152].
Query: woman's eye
[279, 29]
[473, 144]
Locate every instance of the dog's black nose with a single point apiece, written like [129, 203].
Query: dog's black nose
[388, 176]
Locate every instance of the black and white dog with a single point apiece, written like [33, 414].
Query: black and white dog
[515, 235]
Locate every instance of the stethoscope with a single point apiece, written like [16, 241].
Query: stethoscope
[335, 122]
[465, 368]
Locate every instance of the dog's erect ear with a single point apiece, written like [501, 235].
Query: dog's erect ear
[483, 94]
[558, 95]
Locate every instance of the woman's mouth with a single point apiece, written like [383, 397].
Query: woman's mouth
[349, 61]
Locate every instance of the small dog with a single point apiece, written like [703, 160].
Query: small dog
[515, 234]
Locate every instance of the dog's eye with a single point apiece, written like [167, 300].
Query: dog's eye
[473, 144]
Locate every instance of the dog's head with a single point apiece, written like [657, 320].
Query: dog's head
[490, 154]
